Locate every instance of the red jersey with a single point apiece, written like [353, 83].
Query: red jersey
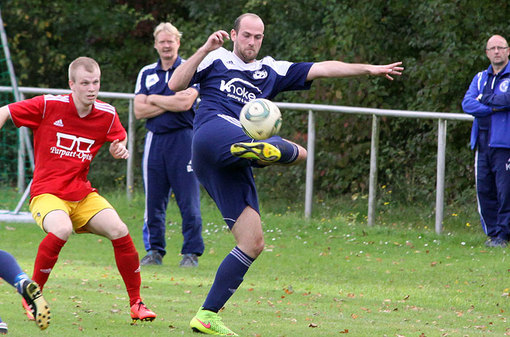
[64, 142]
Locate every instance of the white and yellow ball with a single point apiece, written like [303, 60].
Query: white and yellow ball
[260, 119]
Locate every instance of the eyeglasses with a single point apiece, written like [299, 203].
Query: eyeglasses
[498, 48]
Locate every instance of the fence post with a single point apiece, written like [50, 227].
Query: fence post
[131, 148]
[310, 164]
[372, 184]
[21, 159]
[441, 153]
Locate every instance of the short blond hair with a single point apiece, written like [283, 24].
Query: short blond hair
[86, 62]
[168, 28]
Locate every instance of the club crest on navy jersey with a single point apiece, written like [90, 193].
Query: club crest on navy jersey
[259, 74]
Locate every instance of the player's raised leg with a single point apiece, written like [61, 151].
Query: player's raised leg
[274, 150]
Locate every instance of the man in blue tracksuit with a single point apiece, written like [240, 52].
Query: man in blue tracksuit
[487, 100]
[167, 154]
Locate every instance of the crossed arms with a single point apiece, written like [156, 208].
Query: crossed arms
[148, 106]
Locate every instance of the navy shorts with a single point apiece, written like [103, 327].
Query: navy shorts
[228, 179]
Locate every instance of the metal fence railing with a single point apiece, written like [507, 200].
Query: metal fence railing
[441, 117]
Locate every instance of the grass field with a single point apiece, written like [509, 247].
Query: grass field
[331, 276]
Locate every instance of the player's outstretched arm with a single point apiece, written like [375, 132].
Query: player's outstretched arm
[334, 69]
[182, 75]
[118, 149]
[4, 115]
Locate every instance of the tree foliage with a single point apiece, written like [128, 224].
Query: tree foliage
[440, 42]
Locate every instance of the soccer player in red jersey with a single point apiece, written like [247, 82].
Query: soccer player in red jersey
[68, 131]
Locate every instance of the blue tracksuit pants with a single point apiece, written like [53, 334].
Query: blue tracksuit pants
[492, 170]
[166, 167]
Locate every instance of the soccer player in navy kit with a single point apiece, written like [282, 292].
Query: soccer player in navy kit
[167, 154]
[223, 154]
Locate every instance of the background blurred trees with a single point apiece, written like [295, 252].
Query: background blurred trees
[440, 42]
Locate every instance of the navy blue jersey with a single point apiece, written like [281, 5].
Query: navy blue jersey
[227, 83]
[153, 80]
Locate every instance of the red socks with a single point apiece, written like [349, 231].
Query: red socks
[126, 258]
[47, 256]
[128, 264]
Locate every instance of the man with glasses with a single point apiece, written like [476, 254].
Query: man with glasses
[487, 101]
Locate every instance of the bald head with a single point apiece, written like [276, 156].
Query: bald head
[497, 52]
[237, 22]
[497, 40]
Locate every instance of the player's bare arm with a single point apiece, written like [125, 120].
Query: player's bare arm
[118, 149]
[148, 106]
[4, 115]
[181, 101]
[341, 69]
[144, 109]
[182, 75]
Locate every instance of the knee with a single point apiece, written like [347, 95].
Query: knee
[62, 232]
[257, 246]
[118, 231]
[253, 246]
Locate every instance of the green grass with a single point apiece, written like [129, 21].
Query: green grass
[331, 276]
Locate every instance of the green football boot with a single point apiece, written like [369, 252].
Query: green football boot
[210, 323]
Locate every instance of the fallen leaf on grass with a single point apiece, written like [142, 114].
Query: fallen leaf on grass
[289, 290]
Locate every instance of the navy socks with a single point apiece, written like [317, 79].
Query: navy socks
[288, 150]
[229, 276]
[11, 271]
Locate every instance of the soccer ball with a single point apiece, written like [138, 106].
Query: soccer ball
[260, 119]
